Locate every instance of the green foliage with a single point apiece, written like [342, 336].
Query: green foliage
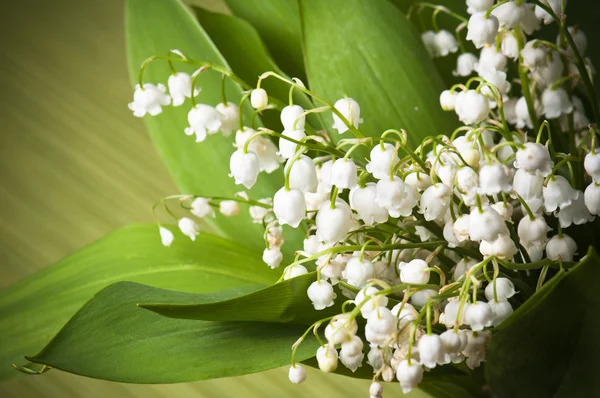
[377, 58]
[111, 338]
[548, 347]
[33, 310]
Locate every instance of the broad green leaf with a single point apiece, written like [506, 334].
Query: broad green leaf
[283, 302]
[278, 24]
[33, 310]
[374, 55]
[548, 347]
[111, 338]
[247, 56]
[154, 27]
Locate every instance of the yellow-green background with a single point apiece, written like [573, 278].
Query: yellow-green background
[75, 165]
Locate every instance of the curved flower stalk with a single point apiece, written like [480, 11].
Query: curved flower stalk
[423, 244]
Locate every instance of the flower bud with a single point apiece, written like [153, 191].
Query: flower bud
[293, 271]
[465, 65]
[591, 164]
[303, 175]
[166, 236]
[501, 311]
[358, 272]
[373, 303]
[201, 208]
[482, 30]
[479, 315]
[340, 329]
[189, 228]
[535, 159]
[591, 198]
[327, 358]
[381, 160]
[229, 208]
[351, 354]
[272, 257]
[297, 374]
[333, 224]
[259, 98]
[293, 114]
[414, 272]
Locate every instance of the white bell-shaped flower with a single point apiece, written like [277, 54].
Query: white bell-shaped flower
[357, 272]
[561, 247]
[287, 149]
[529, 187]
[490, 59]
[311, 245]
[419, 181]
[460, 228]
[448, 100]
[431, 350]
[462, 267]
[482, 30]
[445, 43]
[414, 272]
[505, 209]
[591, 164]
[327, 358]
[576, 213]
[293, 114]
[533, 232]
[349, 109]
[344, 174]
[503, 248]
[448, 234]
[203, 120]
[534, 55]
[390, 193]
[579, 39]
[180, 87]
[244, 168]
[591, 198]
[453, 344]
[303, 175]
[428, 38]
[294, 271]
[558, 194]
[150, 99]
[409, 376]
[376, 390]
[381, 326]
[467, 180]
[471, 107]
[465, 65]
[333, 224]
[546, 75]
[189, 228]
[230, 116]
[556, 102]
[259, 98]
[505, 289]
[494, 179]
[475, 349]
[419, 298]
[435, 201]
[289, 207]
[201, 208]
[341, 328]
[510, 14]
[501, 310]
[543, 15]
[297, 374]
[374, 300]
[486, 225]
[351, 354]
[324, 175]
[166, 236]
[229, 208]
[479, 315]
[510, 46]
[314, 201]
[272, 257]
[450, 314]
[534, 158]
[381, 160]
[523, 118]
[321, 294]
[363, 201]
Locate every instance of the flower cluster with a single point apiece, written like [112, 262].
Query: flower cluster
[422, 243]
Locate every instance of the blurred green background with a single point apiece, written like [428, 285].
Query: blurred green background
[75, 165]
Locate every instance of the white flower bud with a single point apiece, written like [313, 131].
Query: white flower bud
[556, 102]
[435, 201]
[479, 315]
[375, 357]
[363, 200]
[533, 232]
[229, 117]
[203, 120]
[294, 271]
[350, 110]
[344, 174]
[189, 228]
[258, 213]
[229, 208]
[465, 65]
[201, 208]
[450, 314]
[321, 294]
[535, 159]
[591, 198]
[482, 30]
[297, 374]
[303, 175]
[414, 272]
[448, 100]
[505, 289]
[289, 207]
[166, 236]
[431, 350]
[259, 98]
[501, 311]
[460, 228]
[376, 390]
[409, 376]
[505, 210]
[358, 272]
[150, 100]
[494, 179]
[333, 224]
[561, 247]
[244, 168]
[448, 234]
[327, 358]
[287, 149]
[272, 257]
[486, 225]
[373, 303]
[340, 329]
[293, 114]
[529, 187]
[180, 87]
[558, 194]
[445, 43]
[503, 247]
[471, 107]
[591, 164]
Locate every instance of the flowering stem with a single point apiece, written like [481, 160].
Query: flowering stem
[436, 8]
[525, 81]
